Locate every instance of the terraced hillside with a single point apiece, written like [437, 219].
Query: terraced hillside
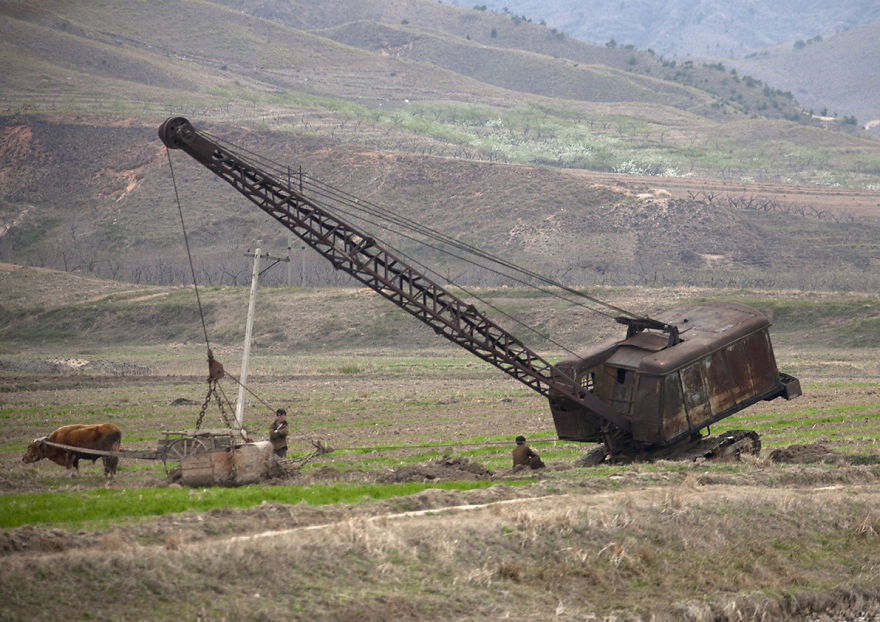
[634, 169]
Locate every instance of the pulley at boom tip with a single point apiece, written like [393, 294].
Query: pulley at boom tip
[173, 129]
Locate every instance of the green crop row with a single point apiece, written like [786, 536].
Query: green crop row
[102, 506]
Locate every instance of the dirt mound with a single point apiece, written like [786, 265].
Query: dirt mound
[442, 468]
[31, 538]
[804, 454]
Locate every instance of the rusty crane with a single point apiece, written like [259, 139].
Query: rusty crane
[650, 393]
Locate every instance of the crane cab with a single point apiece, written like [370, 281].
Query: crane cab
[670, 387]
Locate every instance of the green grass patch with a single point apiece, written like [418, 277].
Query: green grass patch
[106, 505]
[807, 416]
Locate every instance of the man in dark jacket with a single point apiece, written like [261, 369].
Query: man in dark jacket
[525, 455]
[278, 433]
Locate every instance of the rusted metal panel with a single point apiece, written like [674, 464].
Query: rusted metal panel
[615, 386]
[573, 422]
[695, 394]
[703, 328]
[674, 421]
[723, 363]
[245, 464]
[647, 420]
[791, 386]
[652, 342]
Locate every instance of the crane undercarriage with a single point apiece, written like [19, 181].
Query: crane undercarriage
[719, 448]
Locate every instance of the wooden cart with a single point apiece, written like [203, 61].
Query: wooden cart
[219, 457]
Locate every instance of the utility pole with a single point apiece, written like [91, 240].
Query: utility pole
[289, 263]
[289, 243]
[246, 355]
[302, 262]
[302, 255]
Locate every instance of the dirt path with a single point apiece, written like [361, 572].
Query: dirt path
[825, 199]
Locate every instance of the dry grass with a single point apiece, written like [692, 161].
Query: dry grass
[688, 553]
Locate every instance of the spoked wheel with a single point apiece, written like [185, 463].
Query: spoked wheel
[182, 447]
[178, 449]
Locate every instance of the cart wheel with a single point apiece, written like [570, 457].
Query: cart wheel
[182, 447]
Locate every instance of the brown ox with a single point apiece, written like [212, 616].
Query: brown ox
[100, 436]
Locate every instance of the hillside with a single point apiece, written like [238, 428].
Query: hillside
[121, 220]
[280, 56]
[576, 160]
[824, 54]
[515, 53]
[835, 75]
[681, 28]
[57, 312]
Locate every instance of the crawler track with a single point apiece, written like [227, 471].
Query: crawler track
[728, 446]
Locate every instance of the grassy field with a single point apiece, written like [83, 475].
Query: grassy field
[341, 539]
[417, 513]
[517, 145]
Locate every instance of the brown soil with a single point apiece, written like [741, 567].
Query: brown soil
[805, 454]
[195, 526]
[606, 525]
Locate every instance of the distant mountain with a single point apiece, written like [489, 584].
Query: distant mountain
[682, 28]
[825, 53]
[836, 75]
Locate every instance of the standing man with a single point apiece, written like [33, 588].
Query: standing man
[525, 455]
[278, 433]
